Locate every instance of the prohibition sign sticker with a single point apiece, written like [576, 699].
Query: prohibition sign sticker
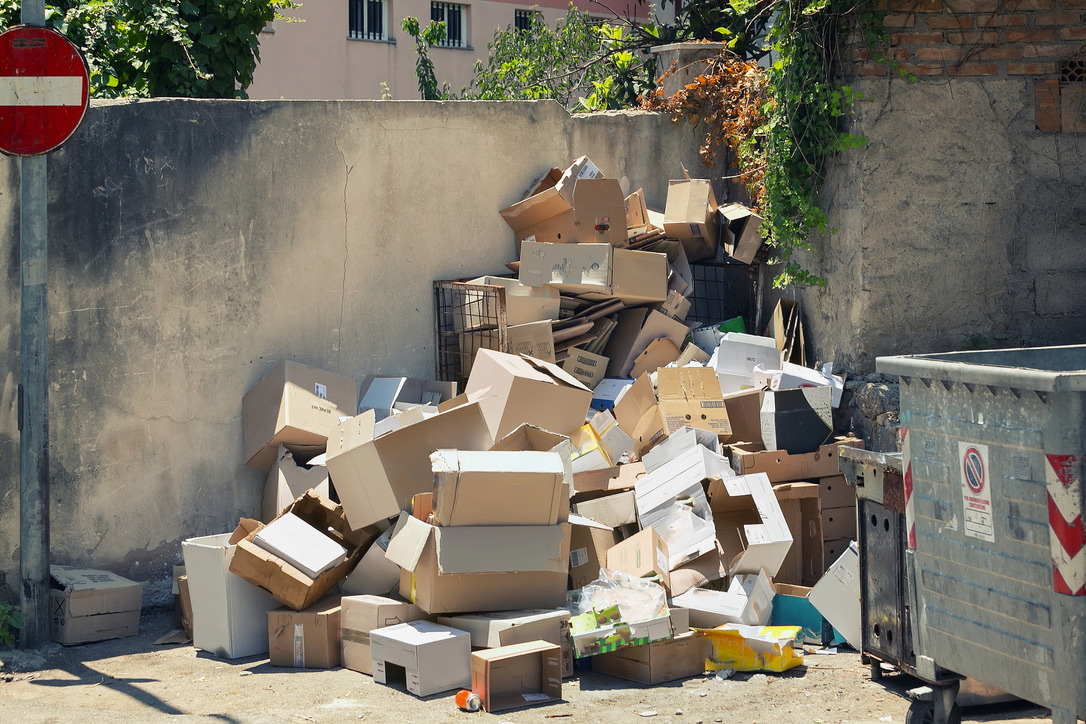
[44, 90]
[976, 491]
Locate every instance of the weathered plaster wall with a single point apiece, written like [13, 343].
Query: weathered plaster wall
[194, 244]
[961, 225]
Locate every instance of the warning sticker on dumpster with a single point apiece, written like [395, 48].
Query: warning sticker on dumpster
[976, 491]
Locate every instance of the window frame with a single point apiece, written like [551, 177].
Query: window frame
[463, 41]
[361, 11]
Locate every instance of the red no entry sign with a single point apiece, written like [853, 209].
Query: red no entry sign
[44, 90]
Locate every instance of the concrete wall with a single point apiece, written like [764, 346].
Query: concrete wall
[960, 226]
[194, 244]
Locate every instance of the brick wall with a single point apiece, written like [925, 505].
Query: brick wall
[1042, 39]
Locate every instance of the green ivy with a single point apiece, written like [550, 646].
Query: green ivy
[154, 48]
[11, 620]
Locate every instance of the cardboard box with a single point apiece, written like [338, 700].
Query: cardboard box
[306, 639]
[607, 391]
[690, 216]
[531, 438]
[374, 574]
[786, 328]
[359, 616]
[571, 268]
[657, 663]
[637, 277]
[643, 555]
[837, 595]
[288, 478]
[781, 467]
[588, 545]
[612, 634]
[690, 396]
[534, 339]
[546, 212]
[835, 492]
[792, 376]
[744, 415]
[596, 483]
[293, 404]
[677, 307]
[617, 444]
[301, 545]
[699, 572]
[375, 478]
[433, 658]
[738, 354]
[797, 421]
[497, 488]
[742, 232]
[599, 212]
[636, 329]
[229, 615]
[186, 604]
[287, 583]
[799, 503]
[589, 453]
[679, 442]
[481, 568]
[839, 523]
[750, 524]
[660, 353]
[754, 648]
[637, 213]
[832, 550]
[511, 677]
[616, 510]
[587, 367]
[748, 600]
[505, 628]
[524, 390]
[523, 304]
[92, 605]
[638, 414]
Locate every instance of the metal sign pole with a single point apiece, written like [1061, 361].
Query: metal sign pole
[33, 388]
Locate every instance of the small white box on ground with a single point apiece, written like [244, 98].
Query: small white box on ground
[434, 658]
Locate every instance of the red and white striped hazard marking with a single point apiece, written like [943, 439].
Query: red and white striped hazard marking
[1067, 529]
[910, 506]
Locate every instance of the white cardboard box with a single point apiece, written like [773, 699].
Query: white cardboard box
[229, 615]
[434, 658]
[738, 354]
[748, 600]
[837, 595]
[750, 524]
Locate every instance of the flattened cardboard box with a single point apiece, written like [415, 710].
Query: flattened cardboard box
[305, 639]
[497, 488]
[286, 583]
[293, 404]
[359, 616]
[481, 568]
[571, 268]
[587, 367]
[659, 662]
[92, 605]
[781, 467]
[636, 330]
[375, 478]
[512, 677]
[525, 390]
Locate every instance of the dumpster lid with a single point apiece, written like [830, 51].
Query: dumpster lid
[1045, 369]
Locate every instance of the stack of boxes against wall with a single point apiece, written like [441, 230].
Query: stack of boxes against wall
[460, 522]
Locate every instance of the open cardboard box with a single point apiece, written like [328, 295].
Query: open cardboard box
[286, 583]
[781, 467]
[750, 524]
[657, 663]
[478, 488]
[511, 677]
[290, 476]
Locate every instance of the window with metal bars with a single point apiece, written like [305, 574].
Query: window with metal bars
[455, 18]
[368, 20]
[522, 19]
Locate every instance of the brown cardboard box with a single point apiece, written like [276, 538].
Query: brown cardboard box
[289, 477]
[588, 545]
[571, 268]
[293, 404]
[835, 492]
[643, 555]
[690, 396]
[742, 232]
[599, 212]
[305, 639]
[697, 573]
[286, 583]
[637, 277]
[92, 605]
[839, 523]
[178, 614]
[745, 416]
[658, 662]
[615, 509]
[799, 503]
[522, 304]
[786, 328]
[530, 438]
[638, 414]
[660, 353]
[505, 628]
[511, 677]
[690, 216]
[375, 478]
[597, 483]
[546, 212]
[186, 604]
[525, 390]
[481, 568]
[636, 329]
[782, 468]
[498, 488]
[587, 367]
[834, 549]
[361, 614]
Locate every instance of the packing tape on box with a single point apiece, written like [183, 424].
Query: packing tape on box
[299, 646]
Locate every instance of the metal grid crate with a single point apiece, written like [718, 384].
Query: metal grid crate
[467, 317]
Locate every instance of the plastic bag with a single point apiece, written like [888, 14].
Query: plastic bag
[636, 598]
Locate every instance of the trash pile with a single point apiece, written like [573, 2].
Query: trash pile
[591, 484]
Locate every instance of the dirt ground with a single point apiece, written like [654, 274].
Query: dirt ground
[134, 680]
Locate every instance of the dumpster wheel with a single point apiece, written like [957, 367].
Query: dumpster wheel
[923, 712]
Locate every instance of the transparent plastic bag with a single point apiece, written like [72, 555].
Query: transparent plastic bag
[636, 598]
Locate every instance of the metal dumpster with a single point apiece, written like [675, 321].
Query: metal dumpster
[992, 447]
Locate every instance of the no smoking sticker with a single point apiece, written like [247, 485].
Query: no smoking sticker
[976, 491]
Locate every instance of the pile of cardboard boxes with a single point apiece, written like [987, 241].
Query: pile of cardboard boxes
[609, 485]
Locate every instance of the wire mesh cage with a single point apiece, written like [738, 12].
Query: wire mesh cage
[467, 317]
